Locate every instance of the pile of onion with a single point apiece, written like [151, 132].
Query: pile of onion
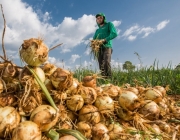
[49, 69]
[1, 86]
[115, 131]
[34, 52]
[68, 137]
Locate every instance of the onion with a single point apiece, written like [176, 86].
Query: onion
[71, 115]
[29, 101]
[163, 108]
[153, 94]
[129, 100]
[141, 89]
[133, 89]
[9, 119]
[88, 94]
[100, 132]
[49, 69]
[73, 88]
[45, 117]
[99, 90]
[124, 114]
[104, 103]
[111, 90]
[61, 79]
[161, 89]
[27, 130]
[34, 52]
[150, 110]
[75, 102]
[175, 111]
[49, 85]
[9, 72]
[59, 96]
[89, 81]
[85, 129]
[65, 125]
[155, 128]
[165, 127]
[114, 131]
[26, 77]
[8, 100]
[89, 113]
[62, 112]
[68, 137]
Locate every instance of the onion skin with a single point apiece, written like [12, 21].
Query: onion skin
[49, 69]
[100, 132]
[133, 89]
[129, 100]
[68, 137]
[89, 81]
[75, 103]
[34, 52]
[153, 94]
[61, 79]
[9, 119]
[45, 117]
[89, 113]
[104, 103]
[115, 130]
[150, 110]
[85, 129]
[161, 89]
[111, 90]
[88, 94]
[27, 130]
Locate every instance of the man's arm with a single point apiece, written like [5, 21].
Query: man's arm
[113, 32]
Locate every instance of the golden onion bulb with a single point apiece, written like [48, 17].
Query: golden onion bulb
[9, 119]
[26, 130]
[34, 52]
[45, 117]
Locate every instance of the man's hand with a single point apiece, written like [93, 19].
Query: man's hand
[103, 40]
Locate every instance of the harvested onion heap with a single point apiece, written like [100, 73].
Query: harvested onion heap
[85, 110]
[95, 46]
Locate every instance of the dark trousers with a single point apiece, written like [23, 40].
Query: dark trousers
[104, 60]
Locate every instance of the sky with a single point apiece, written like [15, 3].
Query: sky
[149, 27]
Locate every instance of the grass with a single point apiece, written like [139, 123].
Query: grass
[145, 76]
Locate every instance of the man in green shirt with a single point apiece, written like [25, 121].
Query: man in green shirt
[106, 32]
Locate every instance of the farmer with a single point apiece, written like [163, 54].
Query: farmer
[106, 32]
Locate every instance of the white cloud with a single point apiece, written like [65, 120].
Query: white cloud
[133, 32]
[88, 50]
[116, 64]
[116, 23]
[74, 57]
[146, 31]
[162, 25]
[131, 37]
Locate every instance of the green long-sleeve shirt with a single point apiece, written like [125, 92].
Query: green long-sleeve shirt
[107, 32]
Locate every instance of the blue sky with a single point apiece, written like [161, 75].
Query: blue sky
[149, 27]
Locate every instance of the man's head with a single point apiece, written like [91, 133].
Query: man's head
[100, 19]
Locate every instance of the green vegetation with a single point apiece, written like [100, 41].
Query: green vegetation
[145, 76]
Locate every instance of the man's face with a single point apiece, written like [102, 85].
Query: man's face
[100, 20]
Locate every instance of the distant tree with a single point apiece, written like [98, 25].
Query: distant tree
[178, 67]
[128, 66]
